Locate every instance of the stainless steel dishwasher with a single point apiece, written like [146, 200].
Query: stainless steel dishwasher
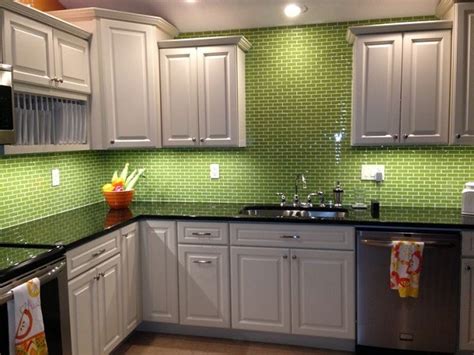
[386, 321]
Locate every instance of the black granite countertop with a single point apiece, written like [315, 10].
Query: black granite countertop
[78, 226]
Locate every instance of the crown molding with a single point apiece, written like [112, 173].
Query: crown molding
[43, 17]
[239, 41]
[91, 13]
[354, 31]
[445, 6]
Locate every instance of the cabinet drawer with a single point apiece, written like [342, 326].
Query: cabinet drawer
[292, 235]
[467, 243]
[203, 233]
[92, 254]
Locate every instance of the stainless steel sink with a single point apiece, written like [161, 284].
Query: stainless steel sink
[276, 211]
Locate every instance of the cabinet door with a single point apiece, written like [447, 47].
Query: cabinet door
[204, 297]
[217, 83]
[376, 89]
[323, 293]
[83, 313]
[466, 331]
[131, 286]
[160, 272]
[462, 104]
[110, 304]
[129, 84]
[179, 97]
[425, 87]
[260, 289]
[29, 48]
[71, 62]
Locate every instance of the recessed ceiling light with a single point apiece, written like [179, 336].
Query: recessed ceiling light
[293, 10]
[190, 1]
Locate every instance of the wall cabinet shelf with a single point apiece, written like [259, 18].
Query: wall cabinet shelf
[401, 83]
[203, 92]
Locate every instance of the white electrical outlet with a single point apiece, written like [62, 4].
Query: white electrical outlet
[215, 171]
[369, 172]
[55, 177]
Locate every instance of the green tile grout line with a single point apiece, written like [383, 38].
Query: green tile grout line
[298, 88]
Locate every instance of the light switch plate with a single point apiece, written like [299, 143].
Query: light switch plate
[215, 171]
[368, 172]
[55, 177]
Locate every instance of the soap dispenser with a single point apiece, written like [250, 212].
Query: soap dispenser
[338, 191]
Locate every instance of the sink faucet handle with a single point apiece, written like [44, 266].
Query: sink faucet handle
[321, 198]
[282, 198]
[310, 196]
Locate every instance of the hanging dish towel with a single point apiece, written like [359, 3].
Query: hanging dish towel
[405, 267]
[25, 319]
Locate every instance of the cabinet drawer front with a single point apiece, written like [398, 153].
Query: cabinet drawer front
[92, 254]
[292, 235]
[467, 243]
[203, 233]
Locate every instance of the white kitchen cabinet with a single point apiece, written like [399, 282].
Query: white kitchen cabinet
[125, 107]
[83, 314]
[466, 331]
[401, 83]
[425, 87]
[203, 91]
[260, 289]
[179, 97]
[131, 276]
[109, 297]
[323, 293]
[160, 271]
[29, 48]
[204, 297]
[71, 62]
[462, 97]
[44, 56]
[376, 89]
[96, 308]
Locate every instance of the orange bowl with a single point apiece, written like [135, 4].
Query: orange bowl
[119, 199]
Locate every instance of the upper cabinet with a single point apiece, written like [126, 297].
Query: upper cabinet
[203, 92]
[125, 108]
[51, 59]
[401, 81]
[462, 96]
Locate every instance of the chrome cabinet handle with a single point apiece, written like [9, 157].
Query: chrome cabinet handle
[468, 268]
[202, 261]
[61, 80]
[101, 274]
[53, 79]
[395, 136]
[458, 136]
[112, 142]
[98, 253]
[193, 139]
[285, 256]
[293, 257]
[97, 278]
[290, 237]
[201, 234]
[202, 139]
[405, 136]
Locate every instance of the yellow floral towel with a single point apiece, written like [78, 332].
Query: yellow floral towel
[405, 267]
[26, 320]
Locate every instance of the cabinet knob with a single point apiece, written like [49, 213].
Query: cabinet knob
[112, 142]
[293, 257]
[458, 136]
[395, 136]
[468, 268]
[194, 139]
[202, 139]
[61, 80]
[405, 136]
[97, 278]
[285, 256]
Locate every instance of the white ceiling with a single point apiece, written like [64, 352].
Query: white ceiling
[205, 15]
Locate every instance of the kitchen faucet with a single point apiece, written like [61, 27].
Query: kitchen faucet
[298, 178]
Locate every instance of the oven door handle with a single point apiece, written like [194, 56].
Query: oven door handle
[44, 276]
[388, 244]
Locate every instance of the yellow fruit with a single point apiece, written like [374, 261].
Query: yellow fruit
[108, 188]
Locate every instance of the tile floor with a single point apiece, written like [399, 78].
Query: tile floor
[140, 343]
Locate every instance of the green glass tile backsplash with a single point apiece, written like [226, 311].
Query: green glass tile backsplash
[298, 86]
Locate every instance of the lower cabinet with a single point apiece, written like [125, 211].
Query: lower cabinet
[95, 308]
[317, 287]
[204, 285]
[322, 293]
[466, 332]
[131, 288]
[260, 279]
[160, 271]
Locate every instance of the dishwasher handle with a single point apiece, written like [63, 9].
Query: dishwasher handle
[389, 243]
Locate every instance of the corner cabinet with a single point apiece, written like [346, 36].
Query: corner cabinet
[401, 82]
[203, 91]
[125, 107]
